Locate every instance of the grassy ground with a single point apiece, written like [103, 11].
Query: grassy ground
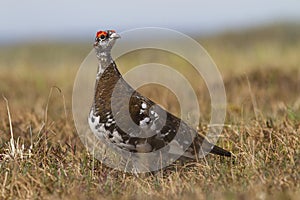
[42, 156]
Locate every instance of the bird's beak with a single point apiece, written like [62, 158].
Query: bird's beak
[95, 44]
[115, 36]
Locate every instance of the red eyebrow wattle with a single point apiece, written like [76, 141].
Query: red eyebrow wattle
[99, 33]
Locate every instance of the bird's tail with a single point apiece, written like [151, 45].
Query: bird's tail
[210, 148]
[219, 151]
[202, 148]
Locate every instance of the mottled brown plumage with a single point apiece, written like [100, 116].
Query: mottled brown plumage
[124, 117]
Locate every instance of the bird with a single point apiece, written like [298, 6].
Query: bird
[137, 116]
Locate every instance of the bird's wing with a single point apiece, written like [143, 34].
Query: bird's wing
[147, 126]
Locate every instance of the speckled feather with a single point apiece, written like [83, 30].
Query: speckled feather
[149, 118]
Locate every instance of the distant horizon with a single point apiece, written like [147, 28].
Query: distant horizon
[34, 20]
[85, 36]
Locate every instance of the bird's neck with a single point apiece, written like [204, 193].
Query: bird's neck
[104, 60]
[107, 77]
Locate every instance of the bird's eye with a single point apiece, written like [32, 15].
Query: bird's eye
[102, 36]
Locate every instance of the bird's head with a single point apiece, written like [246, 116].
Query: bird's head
[105, 40]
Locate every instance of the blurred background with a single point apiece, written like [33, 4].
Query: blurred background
[42, 44]
[31, 21]
[255, 45]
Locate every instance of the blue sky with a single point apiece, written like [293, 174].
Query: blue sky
[66, 19]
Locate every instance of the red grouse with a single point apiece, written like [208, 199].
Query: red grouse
[120, 122]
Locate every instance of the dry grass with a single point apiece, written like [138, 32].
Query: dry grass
[42, 157]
